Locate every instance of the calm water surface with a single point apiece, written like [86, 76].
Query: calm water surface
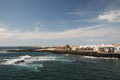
[49, 66]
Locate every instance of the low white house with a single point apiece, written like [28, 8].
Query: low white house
[74, 47]
[117, 49]
[96, 48]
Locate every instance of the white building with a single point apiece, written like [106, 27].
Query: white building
[74, 47]
[117, 49]
[96, 48]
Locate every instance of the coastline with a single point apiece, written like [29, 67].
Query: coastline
[74, 52]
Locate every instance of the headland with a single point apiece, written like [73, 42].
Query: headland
[106, 51]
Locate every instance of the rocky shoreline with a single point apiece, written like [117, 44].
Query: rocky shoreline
[82, 53]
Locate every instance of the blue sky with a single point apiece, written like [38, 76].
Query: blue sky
[59, 22]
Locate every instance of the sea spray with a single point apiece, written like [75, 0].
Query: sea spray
[99, 57]
[29, 59]
[31, 66]
[14, 61]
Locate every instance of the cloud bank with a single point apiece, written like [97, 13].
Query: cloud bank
[82, 32]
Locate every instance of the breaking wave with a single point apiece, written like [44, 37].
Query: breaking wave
[3, 52]
[20, 59]
[29, 59]
[99, 57]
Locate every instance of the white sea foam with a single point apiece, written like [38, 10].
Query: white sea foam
[90, 57]
[108, 58]
[15, 60]
[66, 54]
[31, 66]
[12, 61]
[26, 56]
[29, 59]
[99, 57]
[3, 52]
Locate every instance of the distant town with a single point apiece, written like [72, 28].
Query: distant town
[103, 48]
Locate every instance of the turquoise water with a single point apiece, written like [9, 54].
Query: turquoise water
[49, 66]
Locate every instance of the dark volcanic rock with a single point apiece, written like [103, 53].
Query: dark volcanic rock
[23, 50]
[88, 53]
[20, 61]
[82, 53]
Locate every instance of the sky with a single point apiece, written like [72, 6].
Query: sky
[59, 22]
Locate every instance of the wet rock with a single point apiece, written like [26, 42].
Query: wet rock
[20, 61]
[37, 58]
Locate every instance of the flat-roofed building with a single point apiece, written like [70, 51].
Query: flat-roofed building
[117, 49]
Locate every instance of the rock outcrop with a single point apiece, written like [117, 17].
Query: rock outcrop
[20, 61]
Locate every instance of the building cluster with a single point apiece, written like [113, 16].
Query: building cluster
[111, 48]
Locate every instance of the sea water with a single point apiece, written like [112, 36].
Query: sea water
[53, 66]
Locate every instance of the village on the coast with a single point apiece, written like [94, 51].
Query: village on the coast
[103, 48]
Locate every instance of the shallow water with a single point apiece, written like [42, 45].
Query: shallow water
[49, 66]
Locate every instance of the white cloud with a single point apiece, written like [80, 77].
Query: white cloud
[85, 20]
[89, 33]
[6, 34]
[84, 32]
[111, 16]
[77, 13]
[92, 40]
[74, 33]
[82, 13]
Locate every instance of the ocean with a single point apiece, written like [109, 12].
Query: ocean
[53, 66]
